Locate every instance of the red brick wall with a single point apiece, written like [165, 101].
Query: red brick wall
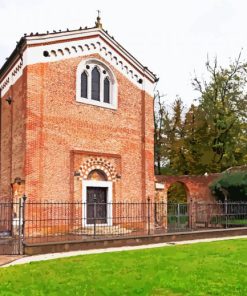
[149, 147]
[57, 125]
[197, 186]
[12, 137]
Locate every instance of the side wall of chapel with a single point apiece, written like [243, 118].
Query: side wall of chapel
[12, 133]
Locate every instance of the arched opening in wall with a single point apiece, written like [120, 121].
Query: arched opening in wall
[97, 196]
[97, 175]
[178, 207]
[177, 193]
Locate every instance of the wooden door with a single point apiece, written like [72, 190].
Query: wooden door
[96, 205]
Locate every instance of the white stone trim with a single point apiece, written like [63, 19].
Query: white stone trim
[87, 33]
[104, 184]
[12, 76]
[17, 221]
[159, 186]
[113, 84]
[124, 63]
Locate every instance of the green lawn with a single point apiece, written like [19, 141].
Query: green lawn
[218, 268]
[237, 222]
[229, 220]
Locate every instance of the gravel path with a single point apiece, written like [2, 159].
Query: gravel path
[44, 257]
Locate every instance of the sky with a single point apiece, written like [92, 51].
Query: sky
[171, 37]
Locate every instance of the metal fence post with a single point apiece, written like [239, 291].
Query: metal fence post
[94, 216]
[19, 226]
[226, 212]
[155, 213]
[191, 213]
[23, 203]
[148, 215]
[178, 215]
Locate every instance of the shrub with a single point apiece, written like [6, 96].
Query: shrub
[233, 184]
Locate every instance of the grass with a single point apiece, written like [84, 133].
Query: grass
[217, 268]
[183, 219]
[229, 220]
[237, 222]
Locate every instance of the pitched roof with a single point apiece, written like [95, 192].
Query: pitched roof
[34, 39]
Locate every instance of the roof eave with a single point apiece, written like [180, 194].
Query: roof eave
[17, 52]
[27, 39]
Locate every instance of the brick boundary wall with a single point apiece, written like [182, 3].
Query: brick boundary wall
[197, 187]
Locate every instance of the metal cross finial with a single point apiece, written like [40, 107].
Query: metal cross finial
[98, 22]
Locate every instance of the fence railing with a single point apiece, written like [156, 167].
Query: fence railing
[77, 220]
[227, 214]
[11, 227]
[38, 222]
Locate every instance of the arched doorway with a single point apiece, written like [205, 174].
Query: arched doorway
[177, 207]
[177, 193]
[97, 197]
[97, 175]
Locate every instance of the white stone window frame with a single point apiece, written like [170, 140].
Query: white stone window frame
[113, 104]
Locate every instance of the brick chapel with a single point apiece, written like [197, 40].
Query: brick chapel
[76, 119]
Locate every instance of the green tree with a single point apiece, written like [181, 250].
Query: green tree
[168, 137]
[177, 193]
[211, 136]
[194, 142]
[231, 186]
[159, 110]
[175, 139]
[223, 104]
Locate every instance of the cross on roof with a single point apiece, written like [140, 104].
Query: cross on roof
[98, 21]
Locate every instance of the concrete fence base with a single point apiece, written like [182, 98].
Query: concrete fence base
[54, 247]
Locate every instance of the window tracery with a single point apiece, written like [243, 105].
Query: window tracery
[96, 84]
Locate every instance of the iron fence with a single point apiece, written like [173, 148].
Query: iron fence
[6, 209]
[51, 221]
[58, 221]
[221, 215]
[11, 227]
[171, 217]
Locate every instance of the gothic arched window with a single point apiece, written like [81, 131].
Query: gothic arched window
[96, 84]
[106, 90]
[84, 85]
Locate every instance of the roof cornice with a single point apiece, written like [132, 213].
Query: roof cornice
[63, 36]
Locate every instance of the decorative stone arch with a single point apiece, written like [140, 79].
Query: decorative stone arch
[101, 189]
[98, 163]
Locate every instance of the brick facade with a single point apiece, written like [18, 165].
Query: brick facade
[48, 138]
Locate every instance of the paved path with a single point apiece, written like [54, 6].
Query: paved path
[5, 259]
[44, 257]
